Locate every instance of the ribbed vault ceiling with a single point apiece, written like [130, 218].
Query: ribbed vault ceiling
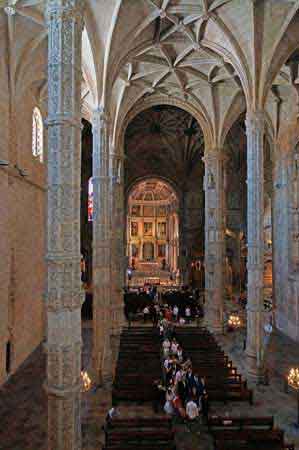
[163, 141]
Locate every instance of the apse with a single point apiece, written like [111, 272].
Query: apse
[166, 142]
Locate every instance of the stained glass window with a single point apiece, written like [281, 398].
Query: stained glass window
[90, 200]
[37, 134]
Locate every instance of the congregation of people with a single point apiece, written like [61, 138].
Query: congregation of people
[181, 392]
[182, 306]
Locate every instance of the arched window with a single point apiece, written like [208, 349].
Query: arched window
[90, 200]
[37, 134]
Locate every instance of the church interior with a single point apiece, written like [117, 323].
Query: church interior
[149, 224]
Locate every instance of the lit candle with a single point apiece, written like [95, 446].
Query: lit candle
[86, 381]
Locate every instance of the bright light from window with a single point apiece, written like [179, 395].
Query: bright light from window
[90, 200]
[37, 134]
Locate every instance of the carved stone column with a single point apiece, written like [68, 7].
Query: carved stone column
[280, 228]
[255, 128]
[293, 291]
[183, 250]
[117, 240]
[214, 238]
[101, 249]
[64, 297]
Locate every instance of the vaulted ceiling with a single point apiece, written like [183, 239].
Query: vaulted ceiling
[164, 141]
[217, 56]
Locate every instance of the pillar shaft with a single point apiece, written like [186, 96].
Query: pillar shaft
[214, 238]
[183, 252]
[255, 124]
[64, 296]
[101, 249]
[294, 175]
[117, 240]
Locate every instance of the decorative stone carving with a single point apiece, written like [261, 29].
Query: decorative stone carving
[101, 248]
[117, 239]
[214, 237]
[255, 128]
[64, 296]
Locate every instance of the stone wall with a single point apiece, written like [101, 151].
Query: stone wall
[22, 242]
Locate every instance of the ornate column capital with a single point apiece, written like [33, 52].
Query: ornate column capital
[65, 9]
[214, 154]
[100, 118]
[255, 121]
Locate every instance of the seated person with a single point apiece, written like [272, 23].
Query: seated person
[179, 375]
[109, 417]
[178, 407]
[168, 314]
[182, 321]
[174, 346]
[199, 383]
[146, 313]
[180, 354]
[181, 389]
[189, 378]
[168, 407]
[170, 369]
[187, 364]
[192, 411]
[159, 390]
[175, 313]
[166, 346]
[188, 314]
[161, 328]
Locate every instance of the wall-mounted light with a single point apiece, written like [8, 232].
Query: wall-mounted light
[22, 172]
[4, 163]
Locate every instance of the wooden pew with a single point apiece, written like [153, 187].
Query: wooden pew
[240, 422]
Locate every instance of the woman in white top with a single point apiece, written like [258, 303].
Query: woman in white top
[180, 353]
[174, 346]
[175, 313]
[166, 347]
[145, 314]
[168, 407]
[178, 376]
[192, 410]
[188, 314]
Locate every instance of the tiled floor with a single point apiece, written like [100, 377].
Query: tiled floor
[23, 403]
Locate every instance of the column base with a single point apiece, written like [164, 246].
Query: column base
[118, 323]
[254, 372]
[102, 375]
[214, 327]
[107, 379]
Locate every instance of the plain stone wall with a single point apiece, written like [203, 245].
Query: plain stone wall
[4, 251]
[22, 238]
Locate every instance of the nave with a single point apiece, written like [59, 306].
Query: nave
[23, 403]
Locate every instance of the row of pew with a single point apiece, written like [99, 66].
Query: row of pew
[151, 433]
[138, 365]
[224, 383]
[246, 433]
[137, 368]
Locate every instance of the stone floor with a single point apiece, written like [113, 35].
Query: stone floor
[23, 403]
